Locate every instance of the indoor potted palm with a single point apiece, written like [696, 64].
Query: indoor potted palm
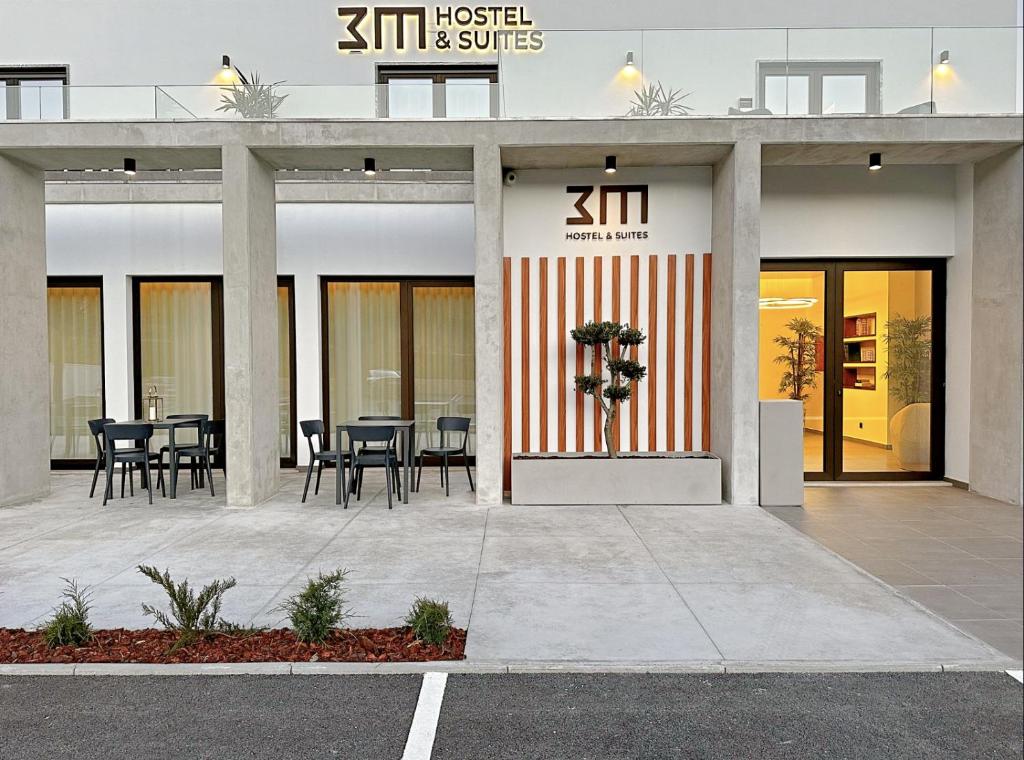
[799, 358]
[909, 343]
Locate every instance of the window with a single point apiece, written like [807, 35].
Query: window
[75, 325]
[819, 87]
[33, 92]
[399, 347]
[179, 345]
[286, 366]
[431, 92]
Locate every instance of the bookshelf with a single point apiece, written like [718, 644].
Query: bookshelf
[860, 351]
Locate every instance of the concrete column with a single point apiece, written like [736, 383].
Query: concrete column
[997, 328]
[24, 361]
[735, 272]
[250, 327]
[488, 319]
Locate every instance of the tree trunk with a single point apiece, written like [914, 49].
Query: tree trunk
[609, 430]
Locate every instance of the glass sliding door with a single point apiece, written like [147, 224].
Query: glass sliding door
[792, 351]
[286, 367]
[179, 346]
[887, 371]
[865, 342]
[362, 350]
[401, 347]
[443, 359]
[75, 327]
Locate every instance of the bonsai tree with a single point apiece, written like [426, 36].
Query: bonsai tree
[250, 99]
[655, 100]
[800, 358]
[600, 337]
[910, 353]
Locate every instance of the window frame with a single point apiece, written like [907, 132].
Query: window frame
[83, 281]
[406, 326]
[439, 75]
[13, 76]
[288, 281]
[871, 70]
[217, 339]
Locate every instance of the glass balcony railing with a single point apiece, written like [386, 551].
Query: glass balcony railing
[630, 73]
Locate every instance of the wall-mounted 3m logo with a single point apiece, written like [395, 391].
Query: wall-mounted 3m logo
[463, 28]
[622, 191]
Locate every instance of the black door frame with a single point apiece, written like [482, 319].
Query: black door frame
[90, 281]
[834, 270]
[406, 322]
[217, 339]
[288, 281]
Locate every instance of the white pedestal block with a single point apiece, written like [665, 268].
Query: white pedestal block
[782, 453]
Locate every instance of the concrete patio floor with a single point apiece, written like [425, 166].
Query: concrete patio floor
[546, 585]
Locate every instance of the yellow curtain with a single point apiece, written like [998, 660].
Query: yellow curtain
[76, 369]
[443, 359]
[176, 330]
[284, 371]
[365, 363]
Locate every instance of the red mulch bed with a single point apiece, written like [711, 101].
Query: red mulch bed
[278, 645]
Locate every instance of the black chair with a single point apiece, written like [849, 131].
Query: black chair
[318, 455]
[166, 449]
[365, 456]
[96, 428]
[201, 452]
[445, 426]
[134, 455]
[380, 449]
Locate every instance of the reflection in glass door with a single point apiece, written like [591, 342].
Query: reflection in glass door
[862, 344]
[887, 371]
[792, 351]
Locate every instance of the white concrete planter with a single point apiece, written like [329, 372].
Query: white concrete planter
[910, 433]
[633, 478]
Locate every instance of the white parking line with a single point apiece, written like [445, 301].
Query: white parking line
[420, 743]
[1017, 674]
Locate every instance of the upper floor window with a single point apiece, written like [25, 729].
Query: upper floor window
[819, 87]
[437, 92]
[33, 92]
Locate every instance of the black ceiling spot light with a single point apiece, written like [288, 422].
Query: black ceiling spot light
[129, 167]
[875, 162]
[369, 166]
[610, 165]
[225, 61]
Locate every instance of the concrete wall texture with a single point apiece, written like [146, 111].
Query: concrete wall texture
[249, 251]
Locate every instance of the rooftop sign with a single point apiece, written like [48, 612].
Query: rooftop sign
[445, 28]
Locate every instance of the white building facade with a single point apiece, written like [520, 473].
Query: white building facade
[348, 211]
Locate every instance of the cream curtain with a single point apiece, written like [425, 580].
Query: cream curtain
[284, 371]
[443, 359]
[365, 362]
[76, 369]
[176, 331]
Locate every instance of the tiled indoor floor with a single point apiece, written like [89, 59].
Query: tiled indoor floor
[956, 553]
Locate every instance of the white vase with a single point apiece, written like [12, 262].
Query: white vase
[910, 433]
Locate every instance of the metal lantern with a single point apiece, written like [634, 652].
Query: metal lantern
[152, 406]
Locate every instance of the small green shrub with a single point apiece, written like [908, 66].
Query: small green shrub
[318, 608]
[430, 620]
[192, 616]
[69, 624]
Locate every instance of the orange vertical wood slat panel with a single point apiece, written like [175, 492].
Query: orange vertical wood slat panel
[524, 315]
[634, 352]
[542, 343]
[560, 341]
[652, 353]
[616, 317]
[670, 354]
[598, 288]
[506, 315]
[579, 353]
[688, 358]
[705, 359]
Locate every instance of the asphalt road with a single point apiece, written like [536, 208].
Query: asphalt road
[547, 717]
